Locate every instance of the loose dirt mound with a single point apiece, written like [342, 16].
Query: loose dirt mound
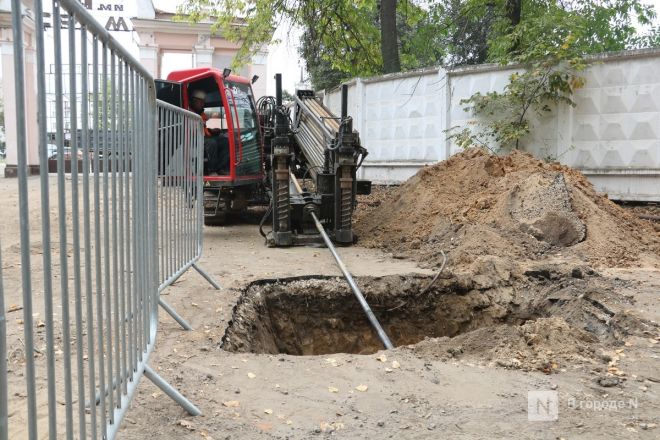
[514, 206]
[546, 344]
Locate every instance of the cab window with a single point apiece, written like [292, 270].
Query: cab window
[241, 103]
[217, 117]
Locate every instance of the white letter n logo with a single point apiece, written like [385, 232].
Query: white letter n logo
[542, 406]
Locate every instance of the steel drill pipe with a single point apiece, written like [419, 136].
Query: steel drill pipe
[349, 278]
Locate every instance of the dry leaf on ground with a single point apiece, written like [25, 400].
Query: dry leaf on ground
[186, 424]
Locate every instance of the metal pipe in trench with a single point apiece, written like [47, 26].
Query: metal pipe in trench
[349, 278]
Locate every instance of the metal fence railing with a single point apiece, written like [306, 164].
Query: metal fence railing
[115, 234]
[180, 163]
[4, 394]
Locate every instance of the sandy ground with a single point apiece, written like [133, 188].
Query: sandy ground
[279, 396]
[402, 393]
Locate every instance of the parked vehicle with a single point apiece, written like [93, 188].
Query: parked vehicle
[67, 153]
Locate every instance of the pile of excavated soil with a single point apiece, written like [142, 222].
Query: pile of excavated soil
[546, 344]
[515, 207]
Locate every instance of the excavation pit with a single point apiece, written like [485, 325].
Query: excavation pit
[316, 316]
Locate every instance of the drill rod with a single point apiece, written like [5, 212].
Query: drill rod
[351, 282]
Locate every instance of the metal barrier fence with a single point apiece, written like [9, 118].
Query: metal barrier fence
[180, 204]
[121, 232]
[4, 392]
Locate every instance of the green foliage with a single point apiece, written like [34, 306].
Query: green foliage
[286, 97]
[341, 38]
[549, 44]
[478, 31]
[329, 63]
[651, 38]
[609, 25]
[549, 78]
[421, 37]
[596, 25]
[463, 28]
[321, 73]
[342, 31]
[343, 35]
[249, 22]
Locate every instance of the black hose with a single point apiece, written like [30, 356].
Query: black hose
[266, 107]
[363, 153]
[309, 169]
[435, 278]
[263, 219]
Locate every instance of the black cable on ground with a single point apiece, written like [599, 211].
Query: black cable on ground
[263, 219]
[435, 278]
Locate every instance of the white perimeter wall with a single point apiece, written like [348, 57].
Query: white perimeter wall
[613, 135]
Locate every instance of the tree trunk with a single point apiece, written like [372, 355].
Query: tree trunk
[513, 11]
[389, 40]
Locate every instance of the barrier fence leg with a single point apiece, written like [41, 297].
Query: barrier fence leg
[206, 276]
[171, 392]
[170, 311]
[182, 322]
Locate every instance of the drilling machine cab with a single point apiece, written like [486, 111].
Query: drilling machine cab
[233, 142]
